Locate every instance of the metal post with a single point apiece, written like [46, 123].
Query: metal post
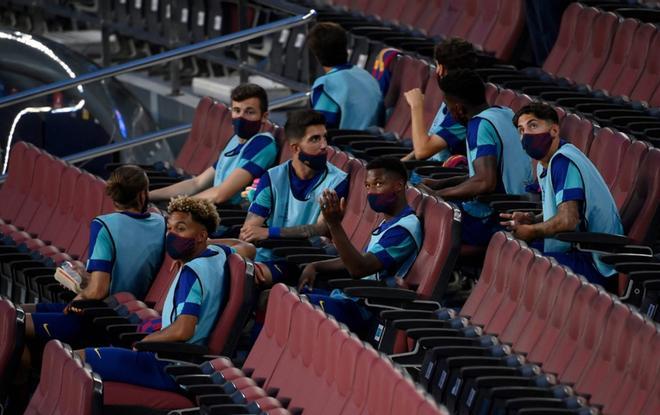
[242, 48]
[105, 33]
[175, 75]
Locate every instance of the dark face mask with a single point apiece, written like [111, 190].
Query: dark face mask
[245, 128]
[382, 202]
[537, 145]
[179, 247]
[315, 162]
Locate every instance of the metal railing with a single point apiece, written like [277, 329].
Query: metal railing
[160, 58]
[161, 135]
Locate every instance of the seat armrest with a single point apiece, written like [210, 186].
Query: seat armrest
[183, 369]
[171, 348]
[381, 293]
[224, 409]
[419, 333]
[501, 197]
[392, 315]
[420, 323]
[585, 239]
[307, 258]
[130, 339]
[613, 259]
[106, 321]
[283, 252]
[413, 164]
[195, 379]
[503, 206]
[488, 382]
[119, 329]
[283, 243]
[522, 403]
[629, 267]
[82, 304]
[349, 282]
[429, 342]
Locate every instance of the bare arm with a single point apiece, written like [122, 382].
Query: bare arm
[244, 249]
[320, 228]
[484, 181]
[187, 187]
[566, 220]
[98, 287]
[238, 180]
[181, 330]
[424, 146]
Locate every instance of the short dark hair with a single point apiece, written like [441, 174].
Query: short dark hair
[125, 184]
[539, 110]
[247, 91]
[298, 121]
[390, 165]
[465, 86]
[329, 43]
[456, 53]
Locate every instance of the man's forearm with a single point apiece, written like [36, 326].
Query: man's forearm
[351, 257]
[552, 226]
[468, 189]
[329, 265]
[304, 231]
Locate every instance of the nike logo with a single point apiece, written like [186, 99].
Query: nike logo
[96, 349]
[46, 330]
[321, 304]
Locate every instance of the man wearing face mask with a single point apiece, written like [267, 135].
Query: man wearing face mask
[247, 156]
[575, 197]
[391, 251]
[194, 300]
[347, 95]
[126, 250]
[496, 161]
[286, 198]
[445, 136]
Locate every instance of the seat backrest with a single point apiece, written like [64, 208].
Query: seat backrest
[234, 315]
[92, 205]
[629, 365]
[12, 330]
[492, 92]
[52, 186]
[413, 10]
[467, 18]
[47, 395]
[194, 137]
[641, 214]
[409, 73]
[621, 48]
[557, 281]
[15, 177]
[633, 67]
[432, 10]
[82, 394]
[643, 372]
[578, 131]
[506, 29]
[650, 77]
[446, 18]
[487, 14]
[24, 171]
[535, 281]
[624, 184]
[564, 40]
[36, 193]
[491, 264]
[607, 152]
[593, 61]
[520, 269]
[433, 97]
[270, 344]
[430, 273]
[161, 284]
[520, 101]
[607, 370]
[356, 201]
[345, 373]
[509, 264]
[212, 134]
[505, 97]
[579, 44]
[381, 387]
[68, 195]
[363, 376]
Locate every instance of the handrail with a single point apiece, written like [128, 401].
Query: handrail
[160, 135]
[160, 58]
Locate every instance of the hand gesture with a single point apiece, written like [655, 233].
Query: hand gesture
[415, 98]
[253, 233]
[332, 208]
[307, 277]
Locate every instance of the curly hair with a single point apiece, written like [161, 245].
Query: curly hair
[201, 210]
[456, 53]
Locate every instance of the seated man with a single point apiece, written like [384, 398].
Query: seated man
[497, 162]
[445, 136]
[194, 300]
[286, 198]
[391, 251]
[247, 156]
[126, 250]
[575, 196]
[348, 96]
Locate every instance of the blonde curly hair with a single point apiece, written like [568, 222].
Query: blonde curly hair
[201, 210]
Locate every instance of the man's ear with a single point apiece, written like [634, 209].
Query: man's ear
[554, 130]
[264, 117]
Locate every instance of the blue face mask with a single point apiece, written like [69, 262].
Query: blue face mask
[382, 202]
[245, 128]
[179, 247]
[315, 162]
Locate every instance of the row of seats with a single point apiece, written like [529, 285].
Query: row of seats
[598, 64]
[531, 335]
[47, 208]
[302, 358]
[80, 395]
